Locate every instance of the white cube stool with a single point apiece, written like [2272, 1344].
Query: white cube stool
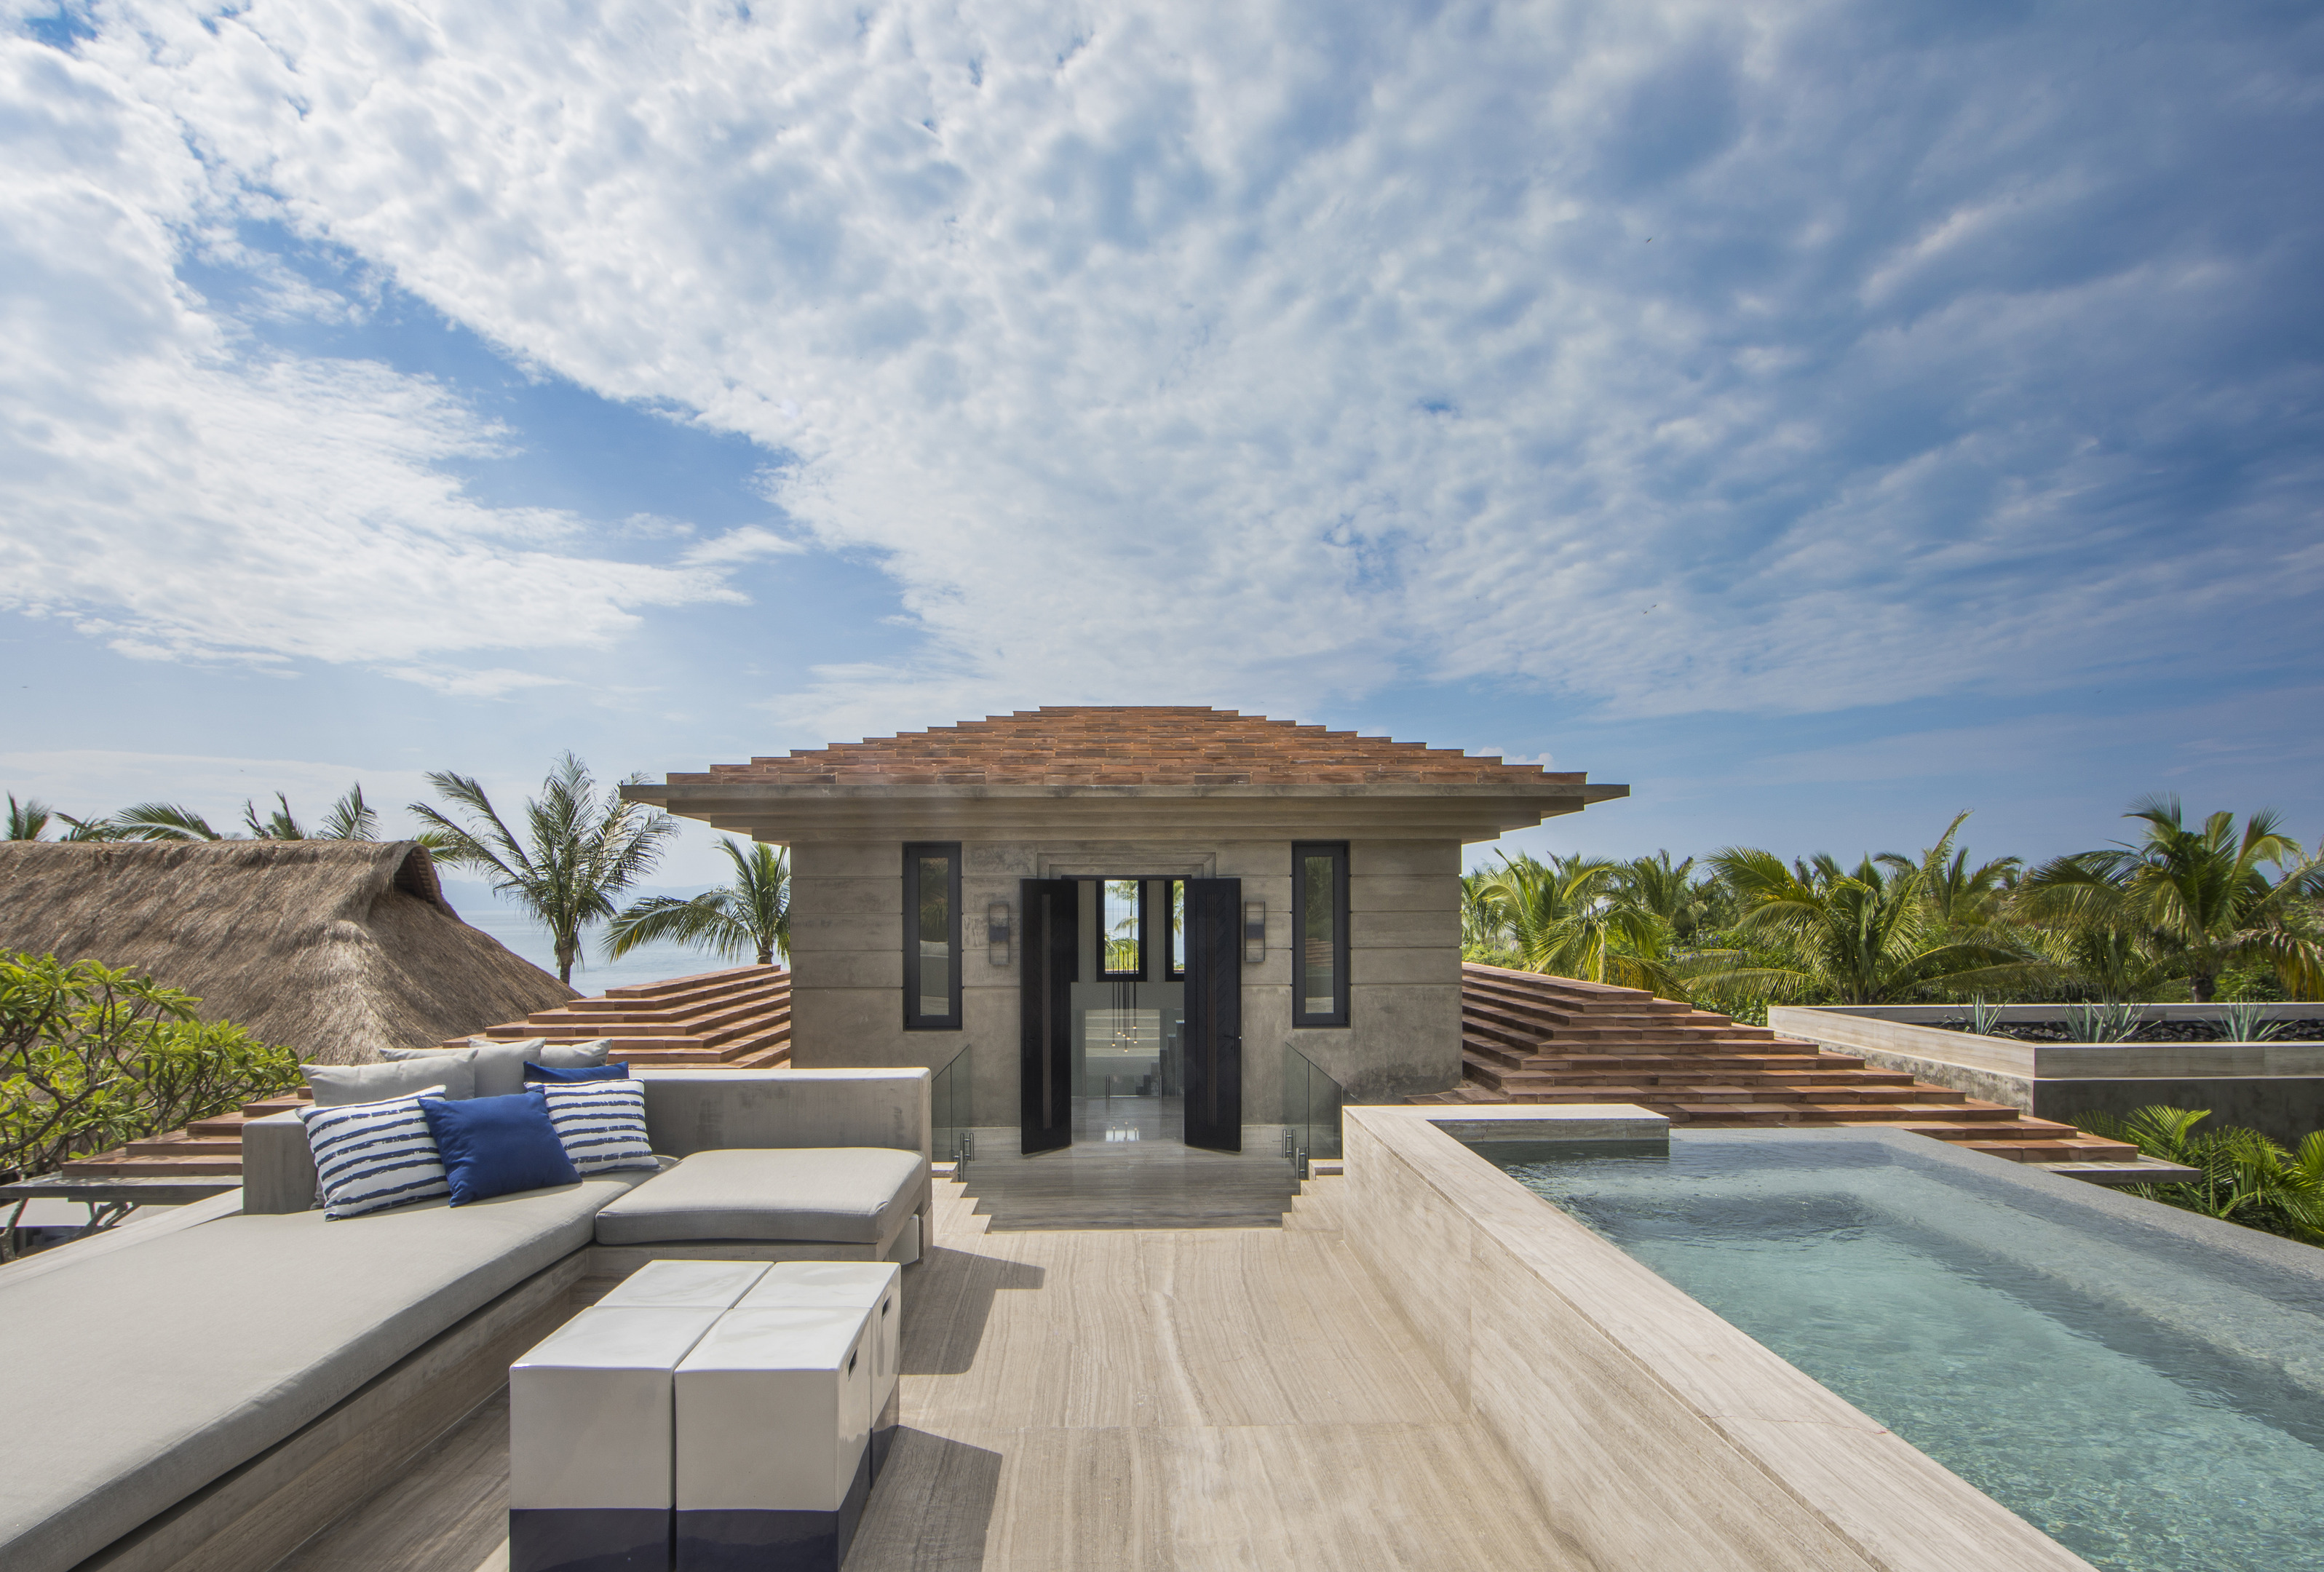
[774, 1459]
[591, 1425]
[876, 1287]
[686, 1285]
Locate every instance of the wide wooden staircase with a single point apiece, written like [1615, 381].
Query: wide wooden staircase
[739, 1019]
[1527, 1038]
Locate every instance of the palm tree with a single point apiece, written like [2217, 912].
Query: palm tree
[582, 853]
[1863, 937]
[752, 915]
[163, 822]
[1689, 906]
[348, 819]
[1572, 916]
[1964, 897]
[2195, 899]
[29, 821]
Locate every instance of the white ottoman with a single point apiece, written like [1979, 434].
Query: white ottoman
[685, 1284]
[591, 1425]
[875, 1287]
[774, 1460]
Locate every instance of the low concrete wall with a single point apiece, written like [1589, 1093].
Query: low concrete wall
[2274, 1087]
[1654, 1434]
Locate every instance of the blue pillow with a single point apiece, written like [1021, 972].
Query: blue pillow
[497, 1145]
[577, 1072]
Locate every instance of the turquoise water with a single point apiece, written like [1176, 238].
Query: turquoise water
[2155, 1404]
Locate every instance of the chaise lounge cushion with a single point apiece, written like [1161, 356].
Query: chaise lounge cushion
[155, 1369]
[837, 1195]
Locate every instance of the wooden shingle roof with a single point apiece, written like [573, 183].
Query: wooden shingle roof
[1119, 745]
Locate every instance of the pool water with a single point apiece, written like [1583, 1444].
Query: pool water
[2153, 1403]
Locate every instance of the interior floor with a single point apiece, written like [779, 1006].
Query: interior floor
[1129, 1167]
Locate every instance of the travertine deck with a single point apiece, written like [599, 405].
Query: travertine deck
[1116, 1399]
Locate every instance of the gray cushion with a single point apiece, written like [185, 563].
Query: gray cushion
[164, 1366]
[500, 1066]
[338, 1085]
[839, 1195]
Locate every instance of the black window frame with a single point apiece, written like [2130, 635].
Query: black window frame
[1301, 853]
[914, 852]
[1145, 934]
[1174, 938]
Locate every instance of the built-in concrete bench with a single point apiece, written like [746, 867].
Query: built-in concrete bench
[227, 1382]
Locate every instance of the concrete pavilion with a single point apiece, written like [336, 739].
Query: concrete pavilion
[1130, 902]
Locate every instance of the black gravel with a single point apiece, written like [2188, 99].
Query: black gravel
[2306, 1031]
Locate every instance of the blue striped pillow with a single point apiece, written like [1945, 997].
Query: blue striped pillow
[369, 1156]
[602, 1123]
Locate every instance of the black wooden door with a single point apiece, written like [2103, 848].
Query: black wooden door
[1049, 935]
[1214, 1046]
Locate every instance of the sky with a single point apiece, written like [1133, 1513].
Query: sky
[1822, 416]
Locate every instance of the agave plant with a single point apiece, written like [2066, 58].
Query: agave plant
[2247, 1022]
[2108, 1021]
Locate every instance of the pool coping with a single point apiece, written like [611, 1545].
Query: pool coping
[1652, 1431]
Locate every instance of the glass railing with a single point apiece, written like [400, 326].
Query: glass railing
[1311, 1111]
[952, 1134]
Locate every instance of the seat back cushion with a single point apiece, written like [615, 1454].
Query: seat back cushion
[338, 1085]
[370, 1156]
[500, 1066]
[844, 1195]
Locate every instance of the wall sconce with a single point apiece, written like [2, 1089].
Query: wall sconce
[1254, 932]
[996, 932]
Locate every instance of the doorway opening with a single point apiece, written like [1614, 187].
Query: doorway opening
[1131, 1013]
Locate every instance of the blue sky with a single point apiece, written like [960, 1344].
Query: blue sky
[1823, 417]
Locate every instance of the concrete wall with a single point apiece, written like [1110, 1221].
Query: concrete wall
[1404, 961]
[1654, 1434]
[2274, 1087]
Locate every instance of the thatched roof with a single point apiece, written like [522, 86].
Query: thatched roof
[338, 948]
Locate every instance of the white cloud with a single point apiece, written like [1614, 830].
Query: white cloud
[181, 495]
[748, 544]
[1661, 353]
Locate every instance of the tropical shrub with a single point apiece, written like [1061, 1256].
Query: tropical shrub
[92, 1056]
[2245, 1178]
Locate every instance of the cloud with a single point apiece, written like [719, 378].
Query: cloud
[1661, 356]
[749, 543]
[182, 494]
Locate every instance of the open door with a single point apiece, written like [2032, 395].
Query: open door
[1213, 1042]
[1050, 930]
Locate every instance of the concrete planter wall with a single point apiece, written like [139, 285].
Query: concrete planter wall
[2274, 1087]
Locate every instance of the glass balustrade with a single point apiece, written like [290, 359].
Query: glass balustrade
[1312, 1101]
[951, 1117]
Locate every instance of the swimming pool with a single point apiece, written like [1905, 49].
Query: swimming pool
[2145, 1390]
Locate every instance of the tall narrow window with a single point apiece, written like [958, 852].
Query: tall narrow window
[932, 937]
[1121, 929]
[1174, 957]
[1319, 927]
